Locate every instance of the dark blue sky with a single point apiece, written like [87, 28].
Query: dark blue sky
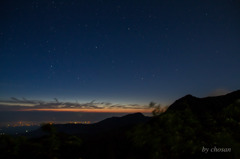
[118, 51]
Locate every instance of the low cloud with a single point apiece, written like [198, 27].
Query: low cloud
[16, 104]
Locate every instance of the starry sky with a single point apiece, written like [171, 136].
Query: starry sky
[112, 53]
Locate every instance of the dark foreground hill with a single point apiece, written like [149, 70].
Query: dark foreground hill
[191, 128]
[194, 128]
[96, 128]
[104, 125]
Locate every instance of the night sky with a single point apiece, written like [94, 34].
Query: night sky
[81, 54]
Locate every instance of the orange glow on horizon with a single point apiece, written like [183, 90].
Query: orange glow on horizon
[93, 110]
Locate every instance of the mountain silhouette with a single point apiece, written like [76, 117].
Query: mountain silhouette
[129, 119]
[208, 104]
[100, 127]
[189, 125]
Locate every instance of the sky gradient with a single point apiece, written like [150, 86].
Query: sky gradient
[118, 52]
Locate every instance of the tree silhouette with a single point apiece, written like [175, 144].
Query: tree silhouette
[157, 108]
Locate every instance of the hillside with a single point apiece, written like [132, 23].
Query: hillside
[208, 104]
[191, 128]
[96, 128]
[194, 128]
